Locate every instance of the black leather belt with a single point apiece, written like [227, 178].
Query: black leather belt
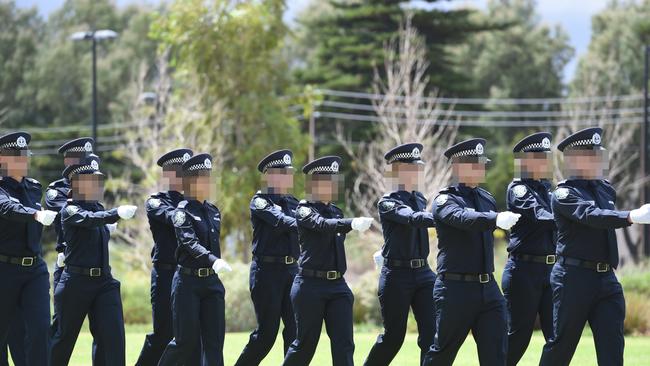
[467, 277]
[596, 266]
[21, 261]
[90, 272]
[164, 266]
[198, 272]
[327, 275]
[283, 260]
[544, 259]
[408, 263]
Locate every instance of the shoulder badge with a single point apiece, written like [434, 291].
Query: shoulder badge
[51, 194]
[260, 203]
[179, 218]
[387, 205]
[153, 203]
[520, 190]
[441, 199]
[304, 211]
[72, 209]
[561, 193]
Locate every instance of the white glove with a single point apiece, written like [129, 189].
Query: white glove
[60, 260]
[641, 215]
[45, 217]
[507, 219]
[221, 266]
[361, 224]
[126, 211]
[378, 258]
[111, 227]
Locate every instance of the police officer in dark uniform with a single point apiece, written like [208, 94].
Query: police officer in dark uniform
[160, 213]
[467, 298]
[56, 197]
[585, 288]
[319, 291]
[275, 254]
[86, 286]
[198, 306]
[406, 280]
[526, 277]
[25, 279]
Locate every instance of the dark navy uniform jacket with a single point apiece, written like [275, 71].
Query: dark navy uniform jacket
[465, 219]
[586, 216]
[534, 233]
[85, 233]
[197, 226]
[56, 198]
[404, 224]
[160, 214]
[20, 233]
[275, 230]
[321, 231]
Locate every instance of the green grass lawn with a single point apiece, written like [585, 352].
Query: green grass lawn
[637, 350]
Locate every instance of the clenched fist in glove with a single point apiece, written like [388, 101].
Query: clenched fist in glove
[361, 224]
[45, 217]
[507, 219]
[60, 260]
[126, 212]
[111, 227]
[221, 266]
[641, 215]
[378, 258]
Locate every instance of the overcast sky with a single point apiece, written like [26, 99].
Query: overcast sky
[573, 15]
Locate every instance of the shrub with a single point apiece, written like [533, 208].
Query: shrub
[637, 313]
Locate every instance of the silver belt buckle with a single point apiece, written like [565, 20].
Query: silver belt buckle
[203, 272]
[289, 260]
[27, 261]
[484, 277]
[416, 263]
[95, 272]
[602, 267]
[550, 259]
[332, 275]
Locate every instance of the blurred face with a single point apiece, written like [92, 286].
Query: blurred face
[73, 158]
[88, 187]
[324, 187]
[198, 187]
[14, 163]
[468, 170]
[405, 176]
[172, 179]
[533, 165]
[277, 180]
[586, 164]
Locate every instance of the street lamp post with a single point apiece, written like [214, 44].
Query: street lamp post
[94, 37]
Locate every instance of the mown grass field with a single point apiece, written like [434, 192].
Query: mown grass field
[637, 350]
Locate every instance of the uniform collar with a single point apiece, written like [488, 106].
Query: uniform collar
[12, 183]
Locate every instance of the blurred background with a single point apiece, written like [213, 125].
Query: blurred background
[239, 79]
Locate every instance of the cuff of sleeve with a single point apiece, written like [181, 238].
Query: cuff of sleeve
[212, 258]
[624, 215]
[493, 218]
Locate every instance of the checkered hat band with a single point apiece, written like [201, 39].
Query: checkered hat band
[322, 169]
[471, 152]
[274, 163]
[196, 167]
[80, 169]
[11, 145]
[177, 160]
[537, 145]
[584, 142]
[75, 149]
[406, 155]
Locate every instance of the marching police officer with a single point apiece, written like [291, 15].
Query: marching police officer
[319, 291]
[275, 254]
[160, 213]
[86, 286]
[466, 296]
[198, 306]
[56, 197]
[585, 288]
[406, 281]
[25, 284]
[526, 277]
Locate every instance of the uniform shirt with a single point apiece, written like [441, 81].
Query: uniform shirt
[197, 226]
[465, 219]
[321, 232]
[586, 216]
[56, 198]
[275, 230]
[20, 233]
[85, 233]
[404, 224]
[534, 233]
[160, 214]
